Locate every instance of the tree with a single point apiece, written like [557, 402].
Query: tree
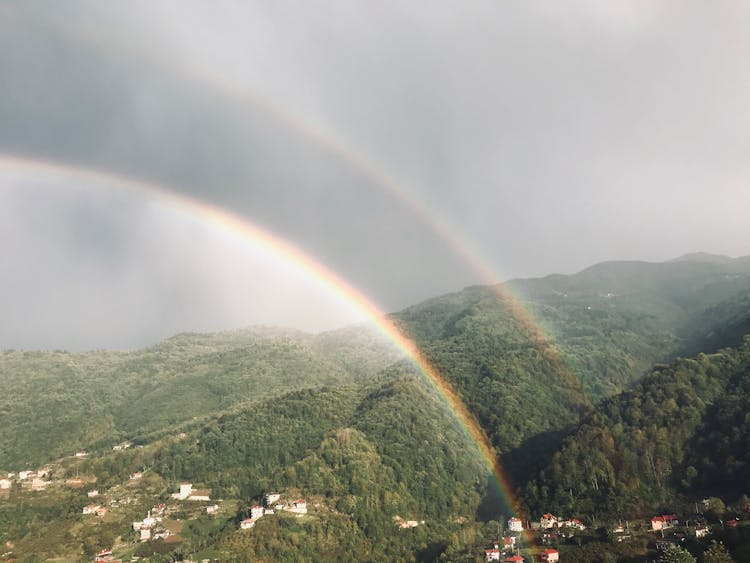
[676, 554]
[717, 553]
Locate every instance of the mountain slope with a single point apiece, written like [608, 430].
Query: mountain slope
[641, 450]
[55, 402]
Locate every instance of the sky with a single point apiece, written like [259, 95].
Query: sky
[410, 148]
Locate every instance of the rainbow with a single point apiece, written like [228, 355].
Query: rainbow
[241, 228]
[317, 133]
[320, 135]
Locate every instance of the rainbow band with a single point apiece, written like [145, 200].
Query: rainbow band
[244, 230]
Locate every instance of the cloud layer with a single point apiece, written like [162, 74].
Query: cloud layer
[380, 137]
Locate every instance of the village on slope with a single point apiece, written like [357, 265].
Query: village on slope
[663, 532]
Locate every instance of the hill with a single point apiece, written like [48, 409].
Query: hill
[56, 402]
[678, 434]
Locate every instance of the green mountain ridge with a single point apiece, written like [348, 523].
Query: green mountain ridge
[590, 407]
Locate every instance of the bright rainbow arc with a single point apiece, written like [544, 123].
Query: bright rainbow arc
[245, 230]
[322, 136]
[461, 247]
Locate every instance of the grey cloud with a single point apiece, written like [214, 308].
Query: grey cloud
[550, 135]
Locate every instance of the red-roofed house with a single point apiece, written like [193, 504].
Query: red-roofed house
[492, 554]
[514, 559]
[663, 522]
[550, 555]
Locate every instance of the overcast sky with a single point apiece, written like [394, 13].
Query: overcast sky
[397, 143]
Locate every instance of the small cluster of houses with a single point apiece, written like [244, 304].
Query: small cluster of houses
[272, 504]
[498, 549]
[149, 528]
[506, 549]
[35, 480]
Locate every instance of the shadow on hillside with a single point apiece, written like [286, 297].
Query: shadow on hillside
[520, 465]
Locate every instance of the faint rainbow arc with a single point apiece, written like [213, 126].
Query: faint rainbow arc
[322, 136]
[245, 230]
[426, 214]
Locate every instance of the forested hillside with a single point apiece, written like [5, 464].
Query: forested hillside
[679, 430]
[592, 336]
[576, 381]
[57, 402]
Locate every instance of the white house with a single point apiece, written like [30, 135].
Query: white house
[550, 556]
[247, 523]
[186, 489]
[145, 534]
[515, 525]
[298, 507]
[701, 532]
[93, 493]
[548, 521]
[213, 509]
[38, 484]
[256, 512]
[6, 483]
[492, 554]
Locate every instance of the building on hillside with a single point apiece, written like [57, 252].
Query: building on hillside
[145, 534]
[701, 532]
[256, 512]
[663, 522]
[509, 544]
[514, 559]
[574, 523]
[38, 484]
[247, 523]
[81, 454]
[550, 556]
[213, 509]
[492, 554]
[200, 495]
[186, 489]
[6, 483]
[298, 507]
[272, 498]
[91, 508]
[548, 521]
[515, 525]
[92, 493]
